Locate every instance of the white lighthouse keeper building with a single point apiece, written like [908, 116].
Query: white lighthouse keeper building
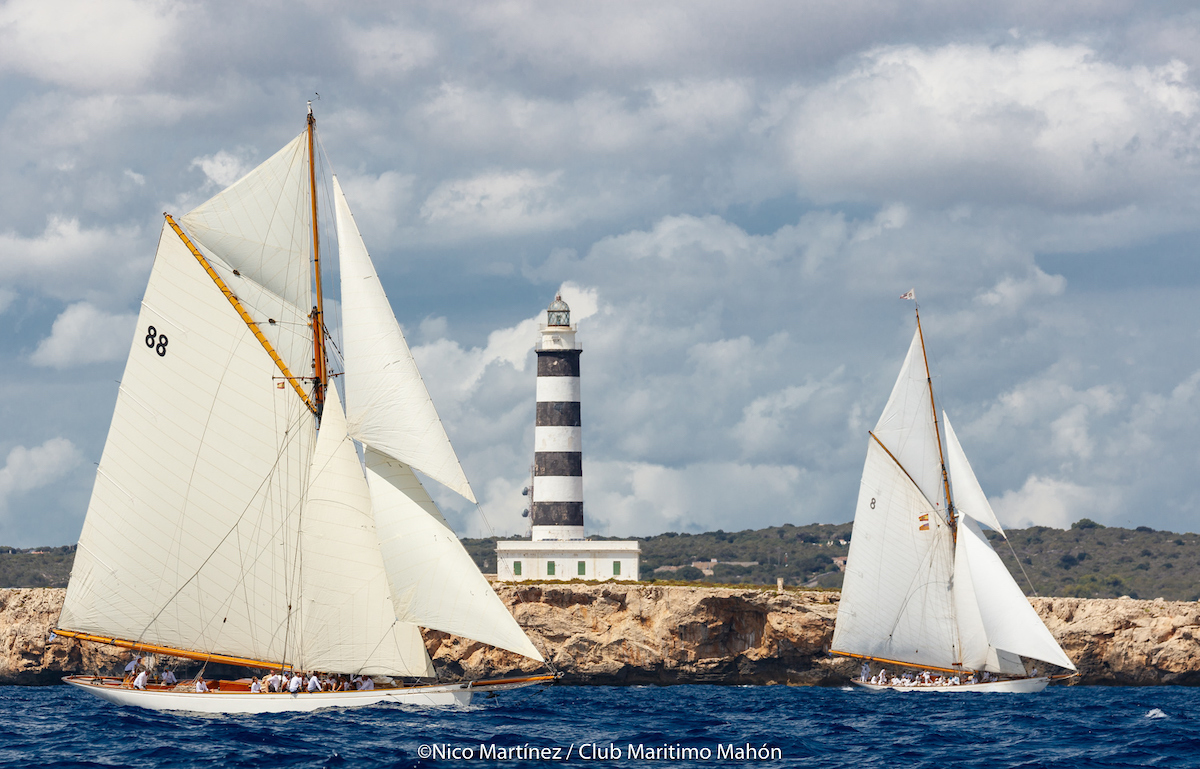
[559, 549]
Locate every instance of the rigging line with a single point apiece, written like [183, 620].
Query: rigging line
[195, 575]
[1028, 581]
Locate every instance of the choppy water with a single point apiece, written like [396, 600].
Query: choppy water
[808, 727]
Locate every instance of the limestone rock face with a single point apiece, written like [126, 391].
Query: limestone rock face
[1120, 641]
[648, 634]
[28, 656]
[651, 634]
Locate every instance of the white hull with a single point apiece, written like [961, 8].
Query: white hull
[238, 702]
[1012, 686]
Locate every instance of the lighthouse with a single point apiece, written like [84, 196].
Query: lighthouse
[557, 509]
[558, 548]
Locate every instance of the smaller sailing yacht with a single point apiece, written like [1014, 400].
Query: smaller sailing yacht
[923, 587]
[233, 518]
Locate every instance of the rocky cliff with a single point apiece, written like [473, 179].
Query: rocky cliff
[650, 634]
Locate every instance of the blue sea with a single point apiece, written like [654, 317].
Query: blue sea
[688, 726]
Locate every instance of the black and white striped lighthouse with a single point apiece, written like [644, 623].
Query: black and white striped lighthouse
[557, 510]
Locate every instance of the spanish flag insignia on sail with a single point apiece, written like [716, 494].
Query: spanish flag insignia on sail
[924, 517]
[924, 527]
[924, 522]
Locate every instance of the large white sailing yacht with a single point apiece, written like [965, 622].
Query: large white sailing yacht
[923, 587]
[233, 519]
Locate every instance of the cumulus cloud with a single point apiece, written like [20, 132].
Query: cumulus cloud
[1050, 502]
[83, 334]
[112, 46]
[26, 469]
[68, 261]
[389, 50]
[1041, 124]
[500, 202]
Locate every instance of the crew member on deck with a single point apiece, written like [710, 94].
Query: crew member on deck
[201, 687]
[169, 678]
[141, 680]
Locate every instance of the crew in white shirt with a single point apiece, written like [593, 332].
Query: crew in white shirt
[295, 684]
[142, 678]
[314, 685]
[255, 686]
[169, 678]
[201, 687]
[366, 684]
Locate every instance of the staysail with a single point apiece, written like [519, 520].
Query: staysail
[435, 583]
[348, 621]
[983, 583]
[387, 404]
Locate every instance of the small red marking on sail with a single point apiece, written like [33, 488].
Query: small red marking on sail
[279, 385]
[910, 295]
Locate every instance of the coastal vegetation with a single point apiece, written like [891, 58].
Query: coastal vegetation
[1086, 561]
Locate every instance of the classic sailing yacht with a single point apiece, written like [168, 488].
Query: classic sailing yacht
[233, 519]
[923, 587]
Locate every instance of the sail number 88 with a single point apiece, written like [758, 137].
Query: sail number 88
[156, 341]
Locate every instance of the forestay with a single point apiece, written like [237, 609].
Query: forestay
[387, 404]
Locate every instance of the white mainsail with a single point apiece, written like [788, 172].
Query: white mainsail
[387, 405]
[896, 601]
[918, 590]
[222, 522]
[200, 484]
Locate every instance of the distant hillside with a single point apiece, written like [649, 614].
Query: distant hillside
[36, 566]
[1088, 560]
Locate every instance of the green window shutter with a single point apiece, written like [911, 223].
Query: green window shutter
[550, 568]
[582, 568]
[616, 569]
[517, 568]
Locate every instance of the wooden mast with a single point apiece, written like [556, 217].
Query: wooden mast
[318, 317]
[950, 516]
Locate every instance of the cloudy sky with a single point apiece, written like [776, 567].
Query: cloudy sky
[732, 197]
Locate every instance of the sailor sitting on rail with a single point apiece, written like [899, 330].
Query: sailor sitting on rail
[366, 684]
[201, 687]
[255, 686]
[141, 680]
[169, 678]
[295, 684]
[314, 684]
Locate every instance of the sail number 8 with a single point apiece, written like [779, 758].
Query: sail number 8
[872, 498]
[157, 343]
